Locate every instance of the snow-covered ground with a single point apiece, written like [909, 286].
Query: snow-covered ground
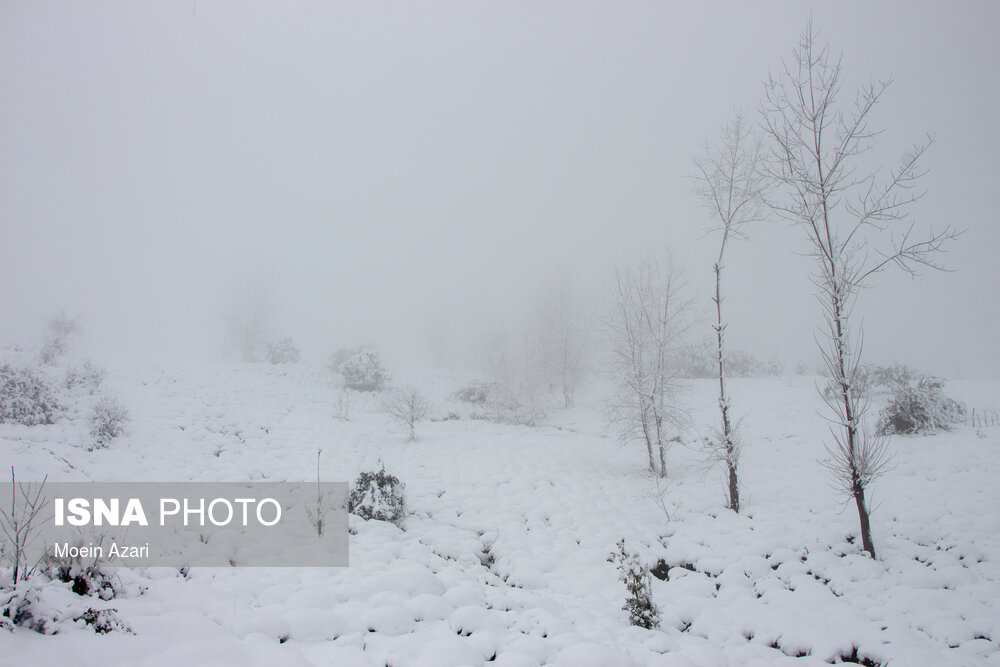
[504, 552]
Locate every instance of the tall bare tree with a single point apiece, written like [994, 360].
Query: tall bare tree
[249, 312]
[646, 324]
[856, 224]
[562, 338]
[730, 184]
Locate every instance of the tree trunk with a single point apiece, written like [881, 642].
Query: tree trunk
[567, 390]
[727, 430]
[850, 424]
[866, 531]
[658, 420]
[734, 489]
[645, 432]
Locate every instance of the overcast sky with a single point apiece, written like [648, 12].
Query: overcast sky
[398, 172]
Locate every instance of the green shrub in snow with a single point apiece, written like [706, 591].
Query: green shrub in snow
[639, 601]
[378, 495]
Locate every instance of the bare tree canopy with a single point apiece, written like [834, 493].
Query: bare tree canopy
[647, 323]
[562, 345]
[857, 225]
[406, 405]
[730, 184]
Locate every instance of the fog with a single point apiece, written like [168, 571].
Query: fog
[414, 175]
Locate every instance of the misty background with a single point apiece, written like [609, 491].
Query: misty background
[414, 176]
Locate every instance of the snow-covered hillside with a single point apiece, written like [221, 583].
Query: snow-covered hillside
[503, 556]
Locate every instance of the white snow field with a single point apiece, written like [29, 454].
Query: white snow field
[504, 553]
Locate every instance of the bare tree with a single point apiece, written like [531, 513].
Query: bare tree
[562, 344]
[729, 183]
[321, 500]
[514, 395]
[856, 223]
[647, 320]
[59, 329]
[249, 311]
[20, 524]
[407, 406]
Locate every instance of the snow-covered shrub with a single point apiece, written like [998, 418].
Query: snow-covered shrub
[340, 356]
[504, 403]
[23, 606]
[639, 601]
[362, 370]
[378, 495]
[86, 376]
[700, 360]
[89, 580]
[104, 621]
[25, 397]
[87, 576]
[740, 363]
[919, 407]
[283, 352]
[46, 607]
[886, 376]
[476, 393]
[107, 421]
[407, 406]
[514, 402]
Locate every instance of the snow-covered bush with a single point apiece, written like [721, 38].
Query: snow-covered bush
[515, 402]
[87, 576]
[700, 360]
[24, 606]
[89, 580]
[47, 607]
[361, 369]
[86, 376]
[476, 393]
[107, 421]
[25, 397]
[378, 495]
[740, 363]
[639, 601]
[504, 402]
[886, 376]
[919, 407]
[104, 621]
[340, 356]
[407, 406]
[283, 352]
